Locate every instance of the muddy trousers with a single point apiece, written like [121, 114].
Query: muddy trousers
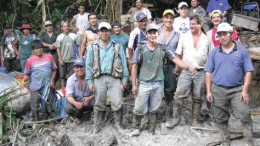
[118, 115]
[74, 112]
[224, 100]
[35, 107]
[225, 135]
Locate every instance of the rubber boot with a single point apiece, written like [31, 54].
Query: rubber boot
[97, 121]
[35, 115]
[136, 125]
[152, 122]
[176, 119]
[118, 120]
[196, 107]
[136, 121]
[224, 133]
[248, 133]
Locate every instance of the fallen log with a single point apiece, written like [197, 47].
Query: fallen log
[205, 129]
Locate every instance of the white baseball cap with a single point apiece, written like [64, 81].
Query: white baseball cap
[182, 4]
[224, 27]
[104, 25]
[48, 23]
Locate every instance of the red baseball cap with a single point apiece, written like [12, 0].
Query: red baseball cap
[25, 26]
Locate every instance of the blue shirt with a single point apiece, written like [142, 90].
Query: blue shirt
[229, 69]
[221, 5]
[106, 57]
[121, 38]
[74, 90]
[140, 38]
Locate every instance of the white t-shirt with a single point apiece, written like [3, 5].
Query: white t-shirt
[191, 56]
[82, 22]
[181, 25]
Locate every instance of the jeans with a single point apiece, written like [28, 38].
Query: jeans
[108, 85]
[149, 97]
[170, 82]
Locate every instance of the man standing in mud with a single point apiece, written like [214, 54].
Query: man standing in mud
[228, 76]
[41, 69]
[169, 37]
[149, 57]
[106, 74]
[193, 49]
[90, 35]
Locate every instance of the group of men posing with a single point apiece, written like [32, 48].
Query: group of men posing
[211, 68]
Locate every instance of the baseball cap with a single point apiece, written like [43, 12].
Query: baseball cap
[140, 16]
[78, 62]
[168, 11]
[224, 27]
[215, 12]
[151, 26]
[37, 43]
[104, 25]
[116, 23]
[25, 26]
[48, 23]
[182, 4]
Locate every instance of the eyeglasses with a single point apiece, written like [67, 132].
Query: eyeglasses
[78, 66]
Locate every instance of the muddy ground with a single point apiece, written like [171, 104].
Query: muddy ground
[68, 133]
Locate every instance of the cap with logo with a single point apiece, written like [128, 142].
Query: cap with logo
[151, 26]
[78, 62]
[48, 23]
[140, 16]
[181, 4]
[168, 11]
[224, 27]
[104, 25]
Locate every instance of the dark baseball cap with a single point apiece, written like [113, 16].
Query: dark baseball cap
[140, 16]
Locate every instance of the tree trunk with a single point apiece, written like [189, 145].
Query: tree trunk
[43, 13]
[113, 10]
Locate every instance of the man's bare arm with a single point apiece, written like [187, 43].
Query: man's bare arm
[83, 45]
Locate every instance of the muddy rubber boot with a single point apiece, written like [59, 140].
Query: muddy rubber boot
[176, 111]
[248, 133]
[118, 120]
[152, 122]
[196, 107]
[35, 115]
[97, 121]
[224, 133]
[136, 125]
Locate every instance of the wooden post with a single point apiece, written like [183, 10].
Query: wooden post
[1, 127]
[113, 10]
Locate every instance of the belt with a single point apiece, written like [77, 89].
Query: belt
[201, 69]
[229, 87]
[105, 74]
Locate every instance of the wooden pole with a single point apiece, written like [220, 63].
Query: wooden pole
[1, 127]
